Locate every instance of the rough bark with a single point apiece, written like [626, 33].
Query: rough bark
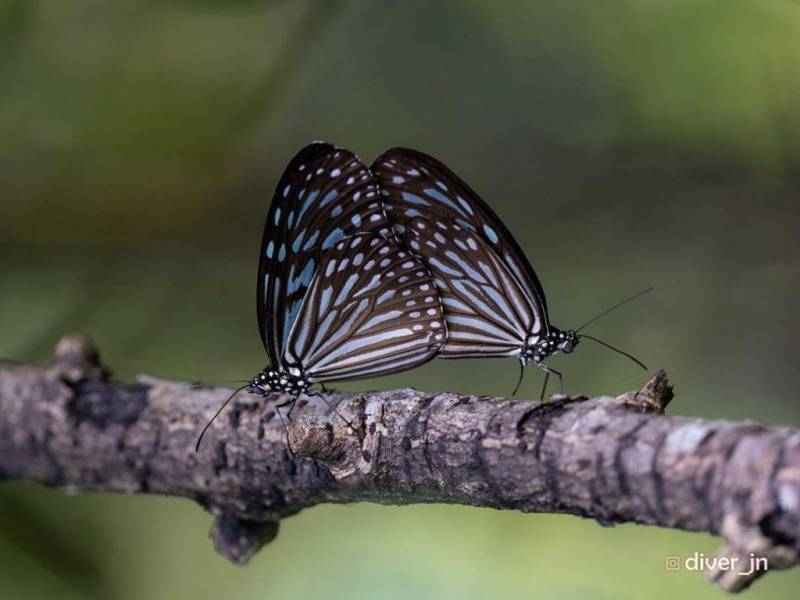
[615, 460]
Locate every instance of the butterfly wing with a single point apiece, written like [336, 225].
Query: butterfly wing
[492, 298]
[371, 309]
[325, 194]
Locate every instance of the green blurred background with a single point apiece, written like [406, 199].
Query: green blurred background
[627, 144]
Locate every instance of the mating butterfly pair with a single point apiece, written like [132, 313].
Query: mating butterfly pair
[370, 271]
[360, 267]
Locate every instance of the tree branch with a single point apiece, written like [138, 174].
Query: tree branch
[615, 460]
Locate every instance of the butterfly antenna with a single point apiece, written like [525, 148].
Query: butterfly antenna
[519, 381]
[198, 385]
[613, 308]
[216, 414]
[617, 350]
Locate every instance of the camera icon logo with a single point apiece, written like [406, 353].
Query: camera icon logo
[672, 563]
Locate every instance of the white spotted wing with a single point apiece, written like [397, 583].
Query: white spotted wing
[324, 195]
[492, 299]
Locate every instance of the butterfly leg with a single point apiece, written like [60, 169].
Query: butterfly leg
[550, 371]
[519, 381]
[289, 412]
[291, 402]
[286, 403]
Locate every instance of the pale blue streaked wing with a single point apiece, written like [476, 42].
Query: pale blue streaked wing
[486, 311]
[371, 309]
[324, 195]
[492, 298]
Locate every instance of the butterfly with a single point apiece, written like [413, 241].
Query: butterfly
[493, 301]
[337, 297]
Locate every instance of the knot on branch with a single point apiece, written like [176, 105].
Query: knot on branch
[336, 439]
[238, 539]
[654, 397]
[316, 437]
[747, 555]
[77, 359]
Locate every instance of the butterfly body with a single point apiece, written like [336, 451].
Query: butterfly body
[539, 348]
[494, 304]
[290, 381]
[338, 297]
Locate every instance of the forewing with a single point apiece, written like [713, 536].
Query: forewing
[324, 195]
[476, 264]
[371, 309]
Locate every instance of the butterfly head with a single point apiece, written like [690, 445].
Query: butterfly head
[555, 341]
[567, 340]
[283, 381]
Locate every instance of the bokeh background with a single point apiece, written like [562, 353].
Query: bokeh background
[626, 143]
